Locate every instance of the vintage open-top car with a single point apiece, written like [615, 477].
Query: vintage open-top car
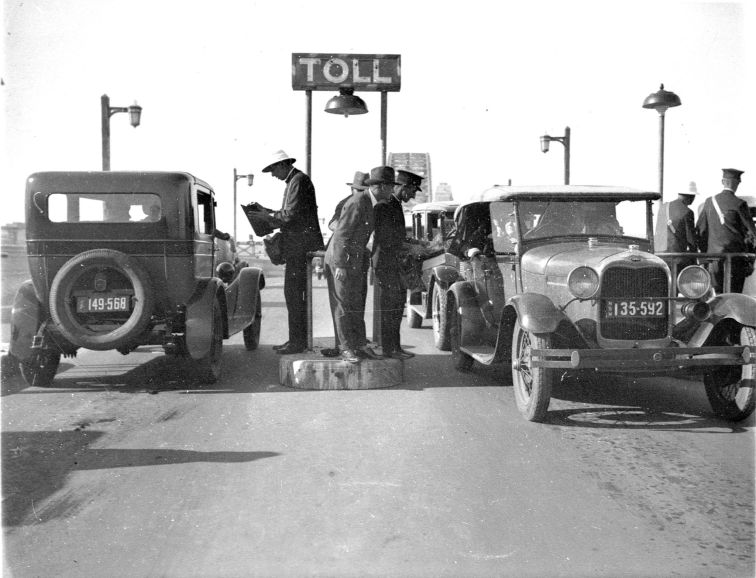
[123, 259]
[562, 279]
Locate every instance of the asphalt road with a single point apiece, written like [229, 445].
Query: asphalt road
[124, 467]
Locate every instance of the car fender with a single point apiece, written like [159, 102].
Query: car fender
[472, 321]
[245, 287]
[537, 313]
[446, 275]
[199, 316]
[736, 306]
[26, 318]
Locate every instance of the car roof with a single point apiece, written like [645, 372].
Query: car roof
[561, 192]
[436, 206]
[92, 178]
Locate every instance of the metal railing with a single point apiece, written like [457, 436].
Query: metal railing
[703, 258]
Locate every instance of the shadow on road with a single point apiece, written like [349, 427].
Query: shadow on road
[36, 465]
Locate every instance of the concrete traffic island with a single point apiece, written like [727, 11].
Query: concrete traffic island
[310, 370]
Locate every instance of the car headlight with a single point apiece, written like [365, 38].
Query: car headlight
[583, 282]
[694, 282]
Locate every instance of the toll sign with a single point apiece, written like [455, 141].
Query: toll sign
[363, 72]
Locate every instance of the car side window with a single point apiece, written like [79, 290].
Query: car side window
[204, 213]
[504, 229]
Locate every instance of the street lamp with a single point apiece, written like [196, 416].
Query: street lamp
[250, 179]
[661, 101]
[565, 140]
[135, 114]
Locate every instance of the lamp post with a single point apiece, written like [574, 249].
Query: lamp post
[565, 140]
[661, 100]
[106, 111]
[250, 179]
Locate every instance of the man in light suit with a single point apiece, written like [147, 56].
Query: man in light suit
[345, 268]
[725, 226]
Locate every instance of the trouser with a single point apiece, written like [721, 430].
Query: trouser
[393, 298]
[347, 300]
[739, 272]
[295, 293]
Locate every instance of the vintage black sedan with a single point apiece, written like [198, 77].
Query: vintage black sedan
[561, 279]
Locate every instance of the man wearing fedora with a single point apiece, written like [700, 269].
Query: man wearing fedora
[680, 233]
[298, 222]
[388, 249]
[345, 266]
[724, 226]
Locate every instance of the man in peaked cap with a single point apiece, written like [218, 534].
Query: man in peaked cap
[298, 223]
[388, 250]
[345, 266]
[725, 226]
[680, 230]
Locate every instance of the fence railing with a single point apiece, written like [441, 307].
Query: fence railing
[703, 259]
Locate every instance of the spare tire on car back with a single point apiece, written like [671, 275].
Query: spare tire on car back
[95, 275]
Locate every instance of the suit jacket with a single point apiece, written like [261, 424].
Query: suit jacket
[730, 237]
[389, 236]
[346, 248]
[681, 236]
[298, 217]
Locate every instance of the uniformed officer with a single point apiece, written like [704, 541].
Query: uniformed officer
[724, 226]
[681, 230]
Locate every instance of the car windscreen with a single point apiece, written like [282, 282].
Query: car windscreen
[542, 219]
[104, 207]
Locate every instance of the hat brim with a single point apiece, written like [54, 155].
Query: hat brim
[358, 187]
[271, 165]
[380, 182]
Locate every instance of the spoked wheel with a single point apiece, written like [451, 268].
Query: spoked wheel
[440, 319]
[209, 367]
[532, 385]
[730, 388]
[462, 361]
[39, 370]
[252, 331]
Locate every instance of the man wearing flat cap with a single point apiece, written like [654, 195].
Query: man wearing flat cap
[725, 226]
[298, 222]
[679, 228]
[345, 266]
[388, 250]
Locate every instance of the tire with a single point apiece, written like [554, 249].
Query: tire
[730, 389]
[252, 331]
[209, 367]
[414, 319]
[39, 370]
[73, 327]
[462, 361]
[532, 385]
[440, 319]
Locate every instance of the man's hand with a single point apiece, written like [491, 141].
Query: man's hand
[339, 273]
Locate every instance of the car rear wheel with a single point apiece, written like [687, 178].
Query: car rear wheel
[252, 331]
[117, 294]
[440, 319]
[39, 370]
[730, 389]
[462, 361]
[532, 385]
[209, 367]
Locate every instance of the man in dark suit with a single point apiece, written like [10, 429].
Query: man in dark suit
[298, 222]
[681, 235]
[388, 250]
[345, 264]
[725, 226]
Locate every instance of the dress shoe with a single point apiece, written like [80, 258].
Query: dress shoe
[398, 355]
[282, 346]
[367, 353]
[330, 352]
[289, 349]
[407, 353]
[349, 356]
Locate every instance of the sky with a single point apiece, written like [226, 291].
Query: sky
[481, 82]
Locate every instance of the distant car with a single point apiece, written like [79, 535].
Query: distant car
[432, 223]
[124, 259]
[563, 279]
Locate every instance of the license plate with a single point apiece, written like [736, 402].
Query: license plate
[634, 308]
[106, 303]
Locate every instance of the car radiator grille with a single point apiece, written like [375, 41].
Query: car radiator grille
[634, 284]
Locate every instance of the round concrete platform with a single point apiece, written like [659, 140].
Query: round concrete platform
[313, 371]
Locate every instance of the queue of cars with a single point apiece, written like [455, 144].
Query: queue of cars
[555, 280]
[123, 259]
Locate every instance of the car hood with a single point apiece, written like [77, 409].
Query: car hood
[562, 258]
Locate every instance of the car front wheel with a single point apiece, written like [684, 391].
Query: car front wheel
[462, 361]
[440, 319]
[730, 387]
[209, 367]
[532, 385]
[39, 370]
[252, 331]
